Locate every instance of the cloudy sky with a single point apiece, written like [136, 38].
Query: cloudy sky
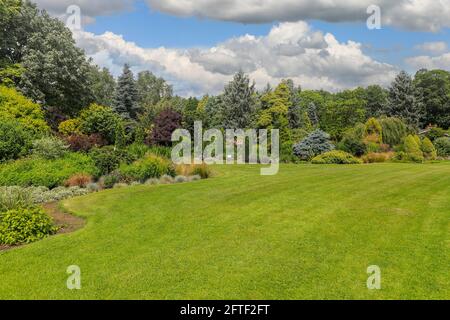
[197, 45]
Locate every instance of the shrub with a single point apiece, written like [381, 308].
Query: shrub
[48, 173]
[411, 147]
[25, 225]
[107, 159]
[93, 187]
[181, 179]
[160, 151]
[49, 148]
[166, 179]
[353, 141]
[101, 120]
[336, 157]
[84, 143]
[374, 131]
[435, 133]
[394, 131]
[195, 178]
[374, 157]
[152, 181]
[137, 151]
[108, 181]
[12, 198]
[78, 180]
[146, 168]
[201, 170]
[15, 106]
[315, 144]
[15, 141]
[443, 147]
[70, 127]
[428, 149]
[165, 124]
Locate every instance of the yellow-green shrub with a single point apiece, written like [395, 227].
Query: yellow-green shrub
[70, 127]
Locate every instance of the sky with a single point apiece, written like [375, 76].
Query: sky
[197, 45]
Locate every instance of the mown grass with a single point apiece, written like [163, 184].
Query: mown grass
[309, 232]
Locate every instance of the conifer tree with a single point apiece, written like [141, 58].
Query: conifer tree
[127, 97]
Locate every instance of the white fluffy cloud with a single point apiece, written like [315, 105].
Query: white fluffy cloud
[433, 47]
[89, 8]
[291, 50]
[430, 62]
[428, 15]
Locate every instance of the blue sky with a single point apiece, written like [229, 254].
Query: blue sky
[319, 44]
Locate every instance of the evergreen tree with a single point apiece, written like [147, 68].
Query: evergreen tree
[405, 101]
[377, 100]
[313, 114]
[238, 103]
[127, 96]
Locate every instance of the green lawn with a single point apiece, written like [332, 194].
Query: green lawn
[308, 233]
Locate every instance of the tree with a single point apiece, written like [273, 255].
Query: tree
[165, 124]
[103, 86]
[377, 100]
[435, 87]
[394, 131]
[316, 143]
[152, 89]
[238, 103]
[56, 71]
[101, 120]
[313, 114]
[405, 101]
[127, 95]
[190, 114]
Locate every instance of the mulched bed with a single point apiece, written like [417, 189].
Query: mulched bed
[65, 222]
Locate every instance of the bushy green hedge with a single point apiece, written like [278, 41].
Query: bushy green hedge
[47, 173]
[149, 167]
[336, 157]
[24, 225]
[443, 146]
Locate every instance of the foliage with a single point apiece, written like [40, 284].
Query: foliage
[10, 75]
[70, 127]
[48, 173]
[56, 70]
[374, 157]
[108, 159]
[238, 103]
[14, 106]
[353, 141]
[146, 168]
[435, 88]
[165, 124]
[443, 146]
[12, 198]
[181, 179]
[25, 225]
[336, 157]
[49, 148]
[84, 143]
[78, 180]
[394, 131]
[316, 143]
[405, 101]
[108, 181]
[377, 100]
[152, 89]
[127, 95]
[103, 86]
[428, 149]
[374, 130]
[15, 141]
[101, 120]
[435, 133]
[412, 149]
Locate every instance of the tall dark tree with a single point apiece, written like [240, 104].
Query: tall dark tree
[239, 102]
[313, 114]
[190, 114]
[405, 101]
[435, 87]
[127, 96]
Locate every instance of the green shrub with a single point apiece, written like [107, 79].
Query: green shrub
[375, 157]
[12, 198]
[428, 149]
[137, 151]
[108, 181]
[15, 141]
[14, 106]
[443, 147]
[70, 127]
[101, 120]
[412, 147]
[48, 173]
[164, 152]
[146, 168]
[374, 130]
[435, 133]
[394, 131]
[49, 148]
[353, 141]
[201, 170]
[25, 225]
[108, 159]
[336, 157]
